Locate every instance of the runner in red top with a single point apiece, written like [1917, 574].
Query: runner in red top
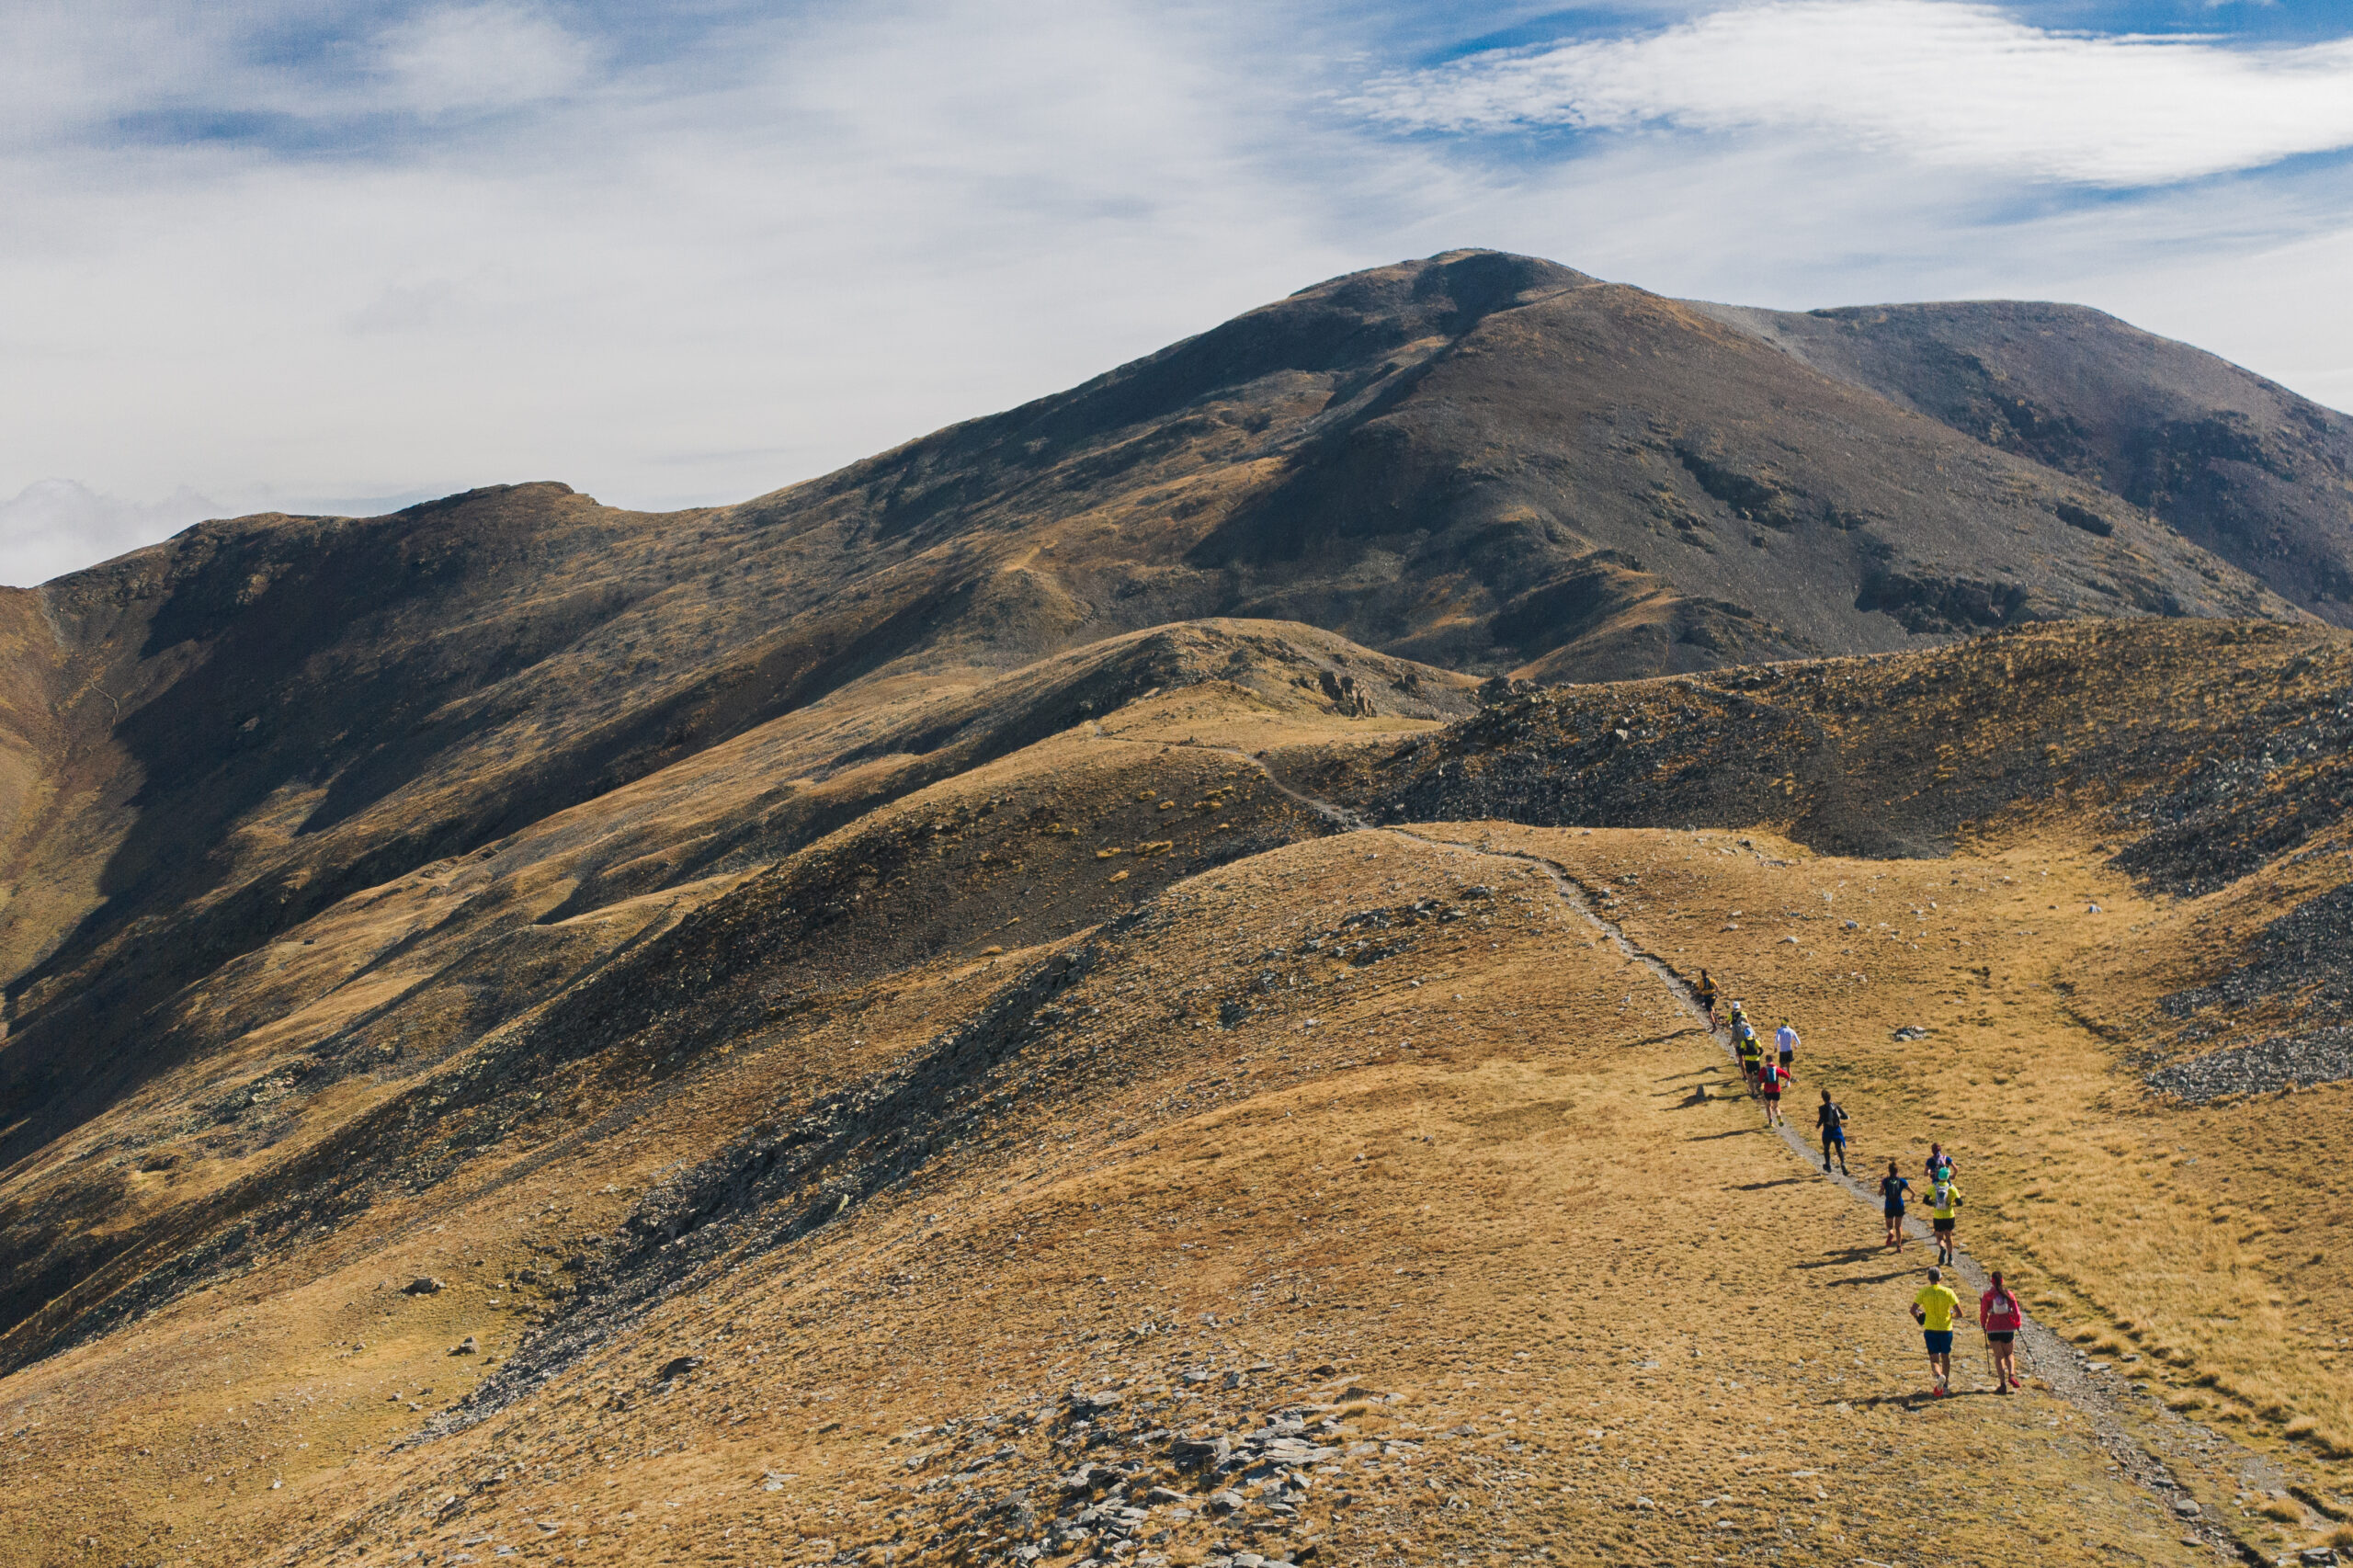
[2001, 1314]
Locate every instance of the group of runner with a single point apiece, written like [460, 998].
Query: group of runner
[1767, 1075]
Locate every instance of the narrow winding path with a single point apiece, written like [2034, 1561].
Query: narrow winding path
[2042, 1351]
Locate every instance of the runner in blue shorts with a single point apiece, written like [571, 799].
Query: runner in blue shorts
[1832, 1118]
[1892, 1189]
[1933, 1309]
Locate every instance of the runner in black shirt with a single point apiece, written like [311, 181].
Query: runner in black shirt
[1892, 1189]
[1831, 1117]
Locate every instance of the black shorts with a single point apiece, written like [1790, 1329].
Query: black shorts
[2001, 1336]
[1944, 1227]
[1772, 1094]
[1895, 1211]
[1788, 1057]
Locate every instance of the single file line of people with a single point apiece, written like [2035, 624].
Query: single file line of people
[1937, 1306]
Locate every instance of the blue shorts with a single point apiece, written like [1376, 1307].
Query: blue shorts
[1939, 1341]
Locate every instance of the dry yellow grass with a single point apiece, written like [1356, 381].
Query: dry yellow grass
[2210, 1244]
[1554, 1306]
[1587, 1319]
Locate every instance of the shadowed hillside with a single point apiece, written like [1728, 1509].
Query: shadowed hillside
[2243, 468]
[1115, 984]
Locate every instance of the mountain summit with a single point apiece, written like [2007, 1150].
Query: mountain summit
[1119, 982]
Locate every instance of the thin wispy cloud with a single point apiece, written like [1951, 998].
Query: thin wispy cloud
[1953, 85]
[460, 58]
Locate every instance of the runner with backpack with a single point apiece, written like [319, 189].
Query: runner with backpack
[1892, 1189]
[2001, 1316]
[1706, 993]
[1772, 1077]
[1944, 1214]
[1831, 1117]
[1750, 1051]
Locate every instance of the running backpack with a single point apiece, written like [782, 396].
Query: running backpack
[2004, 1316]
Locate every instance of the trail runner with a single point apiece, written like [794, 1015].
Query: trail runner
[1944, 1216]
[2001, 1316]
[1933, 1310]
[1831, 1117]
[1892, 1189]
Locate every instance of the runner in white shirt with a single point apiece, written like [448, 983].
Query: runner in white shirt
[1785, 1040]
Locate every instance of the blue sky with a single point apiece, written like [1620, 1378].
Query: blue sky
[334, 257]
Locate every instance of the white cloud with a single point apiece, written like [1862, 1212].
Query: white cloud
[56, 525]
[696, 275]
[1954, 84]
[458, 58]
[811, 243]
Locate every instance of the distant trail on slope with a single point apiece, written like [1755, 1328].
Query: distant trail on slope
[2049, 1356]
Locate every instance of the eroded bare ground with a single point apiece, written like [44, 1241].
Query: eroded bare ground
[1101, 1153]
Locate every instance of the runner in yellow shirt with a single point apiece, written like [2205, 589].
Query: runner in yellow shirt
[1934, 1308]
[1944, 1213]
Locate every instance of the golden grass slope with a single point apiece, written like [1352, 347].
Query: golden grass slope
[1370, 1132]
[1547, 1306]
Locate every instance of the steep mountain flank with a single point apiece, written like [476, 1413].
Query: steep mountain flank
[1480, 461]
[2245, 468]
[1111, 984]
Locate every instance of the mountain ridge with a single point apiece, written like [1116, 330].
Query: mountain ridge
[1188, 889]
